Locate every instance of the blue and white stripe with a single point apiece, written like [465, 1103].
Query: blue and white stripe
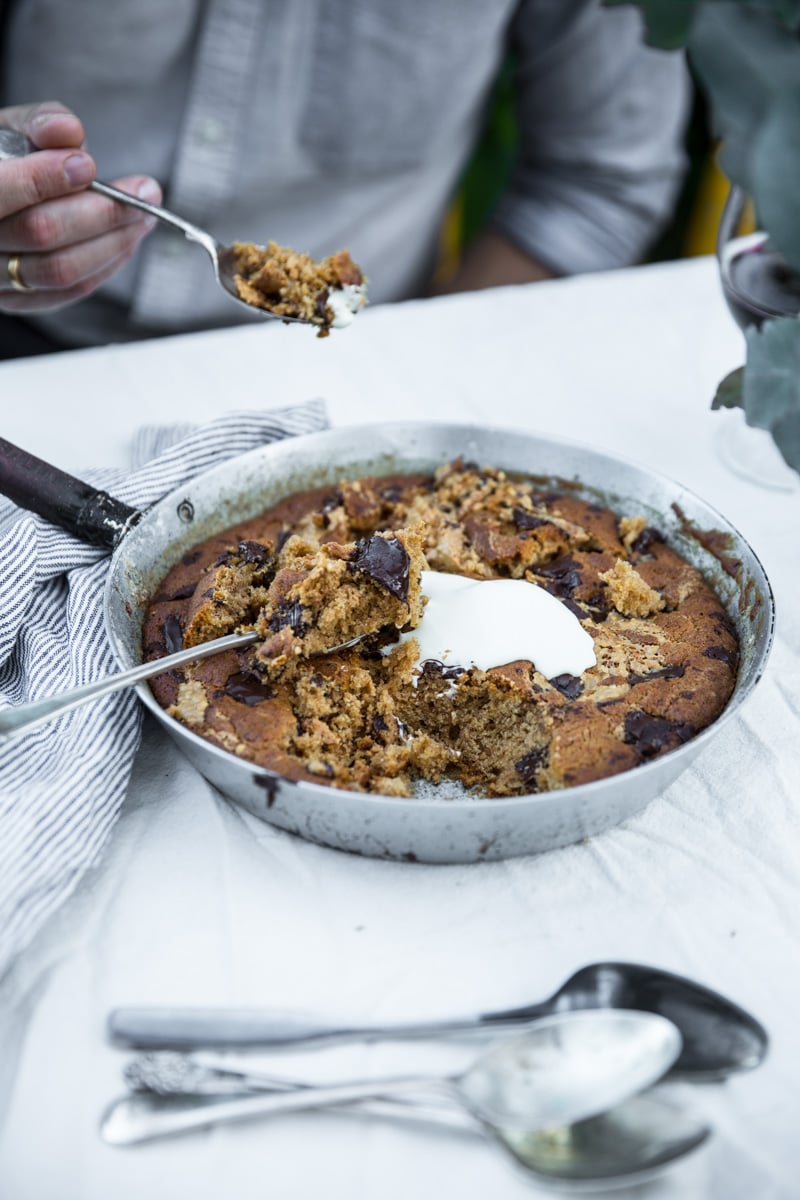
[62, 785]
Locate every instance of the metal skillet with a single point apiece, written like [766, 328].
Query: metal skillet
[435, 825]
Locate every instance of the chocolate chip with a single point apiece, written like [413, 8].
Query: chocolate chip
[379, 725]
[677, 671]
[283, 538]
[645, 540]
[291, 614]
[385, 560]
[181, 594]
[650, 735]
[321, 304]
[248, 689]
[730, 657]
[173, 634]
[569, 685]
[561, 576]
[432, 666]
[392, 493]
[254, 552]
[527, 766]
[526, 520]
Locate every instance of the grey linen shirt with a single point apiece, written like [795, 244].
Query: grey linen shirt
[346, 123]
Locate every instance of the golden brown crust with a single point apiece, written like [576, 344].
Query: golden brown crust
[666, 651]
[291, 284]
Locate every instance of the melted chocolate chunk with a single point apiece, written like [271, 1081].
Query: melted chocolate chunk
[291, 614]
[677, 671]
[190, 558]
[182, 594]
[645, 540]
[385, 560]
[570, 686]
[392, 493]
[561, 576]
[321, 303]
[432, 666]
[379, 725]
[248, 689]
[173, 634]
[526, 520]
[573, 607]
[730, 657]
[254, 552]
[598, 604]
[650, 735]
[283, 538]
[527, 766]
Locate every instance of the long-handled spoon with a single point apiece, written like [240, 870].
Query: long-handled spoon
[627, 1144]
[223, 258]
[568, 1068]
[29, 716]
[719, 1037]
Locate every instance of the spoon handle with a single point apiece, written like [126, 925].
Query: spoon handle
[139, 1118]
[192, 232]
[131, 1120]
[28, 716]
[191, 1028]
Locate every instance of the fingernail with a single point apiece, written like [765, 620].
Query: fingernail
[42, 119]
[79, 169]
[150, 191]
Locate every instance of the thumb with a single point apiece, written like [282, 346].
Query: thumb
[49, 125]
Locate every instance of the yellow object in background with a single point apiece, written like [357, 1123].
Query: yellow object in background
[701, 230]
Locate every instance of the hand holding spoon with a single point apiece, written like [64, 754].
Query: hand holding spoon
[14, 144]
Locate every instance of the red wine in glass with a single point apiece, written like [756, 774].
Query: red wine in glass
[757, 282]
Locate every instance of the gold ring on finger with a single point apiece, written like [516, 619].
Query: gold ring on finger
[12, 267]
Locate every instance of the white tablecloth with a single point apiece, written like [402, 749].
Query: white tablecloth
[194, 902]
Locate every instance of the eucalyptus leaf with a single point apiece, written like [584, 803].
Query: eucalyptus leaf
[730, 391]
[775, 171]
[667, 22]
[772, 383]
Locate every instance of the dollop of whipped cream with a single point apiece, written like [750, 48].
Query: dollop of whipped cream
[345, 302]
[490, 622]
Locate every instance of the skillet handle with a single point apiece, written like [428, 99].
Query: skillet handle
[92, 515]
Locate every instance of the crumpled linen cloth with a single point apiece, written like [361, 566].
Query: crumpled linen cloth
[62, 785]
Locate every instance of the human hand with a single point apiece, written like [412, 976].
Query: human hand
[58, 241]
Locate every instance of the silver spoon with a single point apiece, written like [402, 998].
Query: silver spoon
[568, 1068]
[39, 712]
[628, 1144]
[719, 1037]
[29, 716]
[223, 259]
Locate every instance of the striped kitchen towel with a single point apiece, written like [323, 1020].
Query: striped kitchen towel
[62, 785]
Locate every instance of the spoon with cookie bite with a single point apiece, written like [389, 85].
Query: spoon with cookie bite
[274, 280]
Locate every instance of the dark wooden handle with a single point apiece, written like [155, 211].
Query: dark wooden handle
[92, 515]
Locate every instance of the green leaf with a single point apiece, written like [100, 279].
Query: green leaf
[772, 384]
[667, 22]
[730, 391]
[749, 65]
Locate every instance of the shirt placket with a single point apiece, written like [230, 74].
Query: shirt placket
[207, 161]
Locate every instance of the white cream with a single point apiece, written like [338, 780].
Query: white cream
[345, 303]
[488, 623]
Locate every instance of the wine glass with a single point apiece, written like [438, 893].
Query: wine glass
[757, 284]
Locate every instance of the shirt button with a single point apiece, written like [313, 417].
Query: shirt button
[210, 131]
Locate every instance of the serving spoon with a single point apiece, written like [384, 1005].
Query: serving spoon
[14, 144]
[719, 1037]
[568, 1068]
